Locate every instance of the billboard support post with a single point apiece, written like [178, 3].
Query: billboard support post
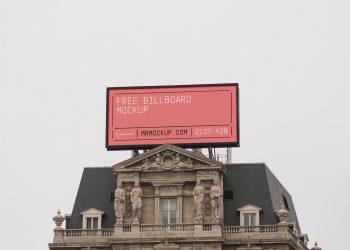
[229, 154]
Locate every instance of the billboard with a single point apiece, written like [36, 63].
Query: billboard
[184, 115]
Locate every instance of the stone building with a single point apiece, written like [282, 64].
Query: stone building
[172, 198]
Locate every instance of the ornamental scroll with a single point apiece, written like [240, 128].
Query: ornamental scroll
[166, 161]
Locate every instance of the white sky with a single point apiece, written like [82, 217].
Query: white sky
[291, 58]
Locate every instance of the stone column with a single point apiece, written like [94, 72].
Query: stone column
[179, 205]
[221, 211]
[157, 216]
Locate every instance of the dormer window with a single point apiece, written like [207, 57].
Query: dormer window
[92, 218]
[249, 215]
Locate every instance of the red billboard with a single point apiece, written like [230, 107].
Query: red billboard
[183, 115]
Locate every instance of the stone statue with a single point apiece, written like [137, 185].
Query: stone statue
[216, 200]
[136, 201]
[198, 195]
[145, 164]
[119, 203]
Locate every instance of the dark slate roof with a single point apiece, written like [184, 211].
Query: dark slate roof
[251, 184]
[255, 184]
[95, 190]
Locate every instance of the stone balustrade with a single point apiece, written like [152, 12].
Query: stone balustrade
[170, 227]
[88, 232]
[171, 230]
[250, 229]
[233, 234]
[253, 234]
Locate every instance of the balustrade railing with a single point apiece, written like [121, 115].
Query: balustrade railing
[206, 227]
[169, 227]
[88, 232]
[250, 229]
[126, 228]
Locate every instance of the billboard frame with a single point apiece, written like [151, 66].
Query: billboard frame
[183, 145]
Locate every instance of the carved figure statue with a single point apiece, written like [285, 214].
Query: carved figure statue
[198, 195]
[146, 164]
[216, 199]
[177, 158]
[119, 203]
[157, 162]
[136, 193]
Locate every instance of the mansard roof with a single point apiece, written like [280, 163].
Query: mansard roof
[95, 191]
[254, 183]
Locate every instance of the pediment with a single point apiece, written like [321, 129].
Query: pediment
[167, 157]
[92, 211]
[249, 207]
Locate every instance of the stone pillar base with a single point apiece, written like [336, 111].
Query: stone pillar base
[127, 231]
[58, 235]
[207, 230]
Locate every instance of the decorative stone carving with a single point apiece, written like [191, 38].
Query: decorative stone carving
[58, 219]
[216, 200]
[136, 194]
[207, 206]
[207, 173]
[119, 204]
[198, 195]
[167, 160]
[128, 208]
[166, 176]
[168, 190]
[282, 215]
[166, 245]
[127, 175]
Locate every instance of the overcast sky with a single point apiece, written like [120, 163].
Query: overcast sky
[291, 59]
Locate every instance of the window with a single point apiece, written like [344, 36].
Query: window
[228, 195]
[249, 219]
[168, 211]
[92, 218]
[91, 223]
[249, 215]
[285, 201]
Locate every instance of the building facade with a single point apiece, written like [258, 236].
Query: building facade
[172, 198]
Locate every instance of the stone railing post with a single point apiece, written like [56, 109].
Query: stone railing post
[282, 228]
[58, 235]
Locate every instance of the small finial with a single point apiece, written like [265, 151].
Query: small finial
[58, 219]
[316, 247]
[282, 214]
